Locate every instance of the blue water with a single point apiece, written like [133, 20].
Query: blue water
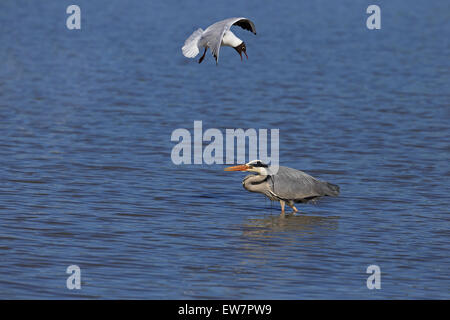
[86, 176]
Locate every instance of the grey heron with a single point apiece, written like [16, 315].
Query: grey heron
[215, 36]
[287, 185]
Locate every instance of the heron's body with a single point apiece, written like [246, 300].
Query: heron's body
[287, 185]
[215, 36]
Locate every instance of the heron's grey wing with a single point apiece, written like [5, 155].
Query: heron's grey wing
[292, 184]
[213, 35]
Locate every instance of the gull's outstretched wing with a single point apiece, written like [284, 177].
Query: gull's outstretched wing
[213, 35]
[190, 48]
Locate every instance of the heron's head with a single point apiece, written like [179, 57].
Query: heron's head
[253, 166]
[241, 48]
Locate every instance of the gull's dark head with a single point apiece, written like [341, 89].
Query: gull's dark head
[241, 48]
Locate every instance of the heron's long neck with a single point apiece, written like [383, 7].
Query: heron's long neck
[253, 182]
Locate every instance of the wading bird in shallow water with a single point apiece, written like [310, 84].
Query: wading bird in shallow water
[215, 36]
[287, 185]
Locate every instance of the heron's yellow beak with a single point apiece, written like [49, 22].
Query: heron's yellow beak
[242, 167]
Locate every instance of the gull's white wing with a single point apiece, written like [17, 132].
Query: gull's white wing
[213, 35]
[190, 48]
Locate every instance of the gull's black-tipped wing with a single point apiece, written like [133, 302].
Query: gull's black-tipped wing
[213, 35]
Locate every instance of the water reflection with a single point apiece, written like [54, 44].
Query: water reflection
[282, 241]
[273, 226]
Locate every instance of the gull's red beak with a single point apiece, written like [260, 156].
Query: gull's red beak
[241, 48]
[245, 52]
[242, 167]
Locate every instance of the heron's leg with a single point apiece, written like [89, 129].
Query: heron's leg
[293, 207]
[282, 203]
[203, 56]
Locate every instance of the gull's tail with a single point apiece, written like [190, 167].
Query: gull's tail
[190, 48]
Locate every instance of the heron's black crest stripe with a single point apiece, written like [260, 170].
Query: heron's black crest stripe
[260, 164]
